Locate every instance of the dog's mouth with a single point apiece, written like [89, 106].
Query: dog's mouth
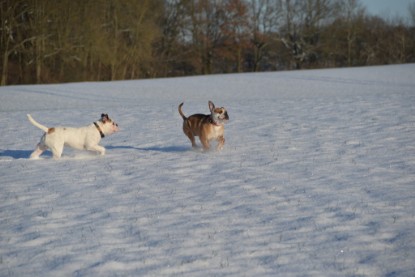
[114, 126]
[220, 117]
[223, 119]
[223, 115]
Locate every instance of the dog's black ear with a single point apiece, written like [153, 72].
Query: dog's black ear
[104, 117]
[211, 106]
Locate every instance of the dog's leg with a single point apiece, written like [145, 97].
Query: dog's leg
[190, 135]
[221, 142]
[97, 148]
[205, 143]
[40, 148]
[57, 151]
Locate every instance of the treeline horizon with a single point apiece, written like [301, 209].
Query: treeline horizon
[50, 41]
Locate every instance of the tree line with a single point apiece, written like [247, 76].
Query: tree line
[46, 41]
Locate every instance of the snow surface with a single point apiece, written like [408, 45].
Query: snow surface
[317, 178]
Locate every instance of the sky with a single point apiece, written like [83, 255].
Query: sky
[388, 8]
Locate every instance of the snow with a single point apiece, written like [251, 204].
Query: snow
[317, 178]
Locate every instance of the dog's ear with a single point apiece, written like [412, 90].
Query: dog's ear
[226, 115]
[211, 106]
[104, 118]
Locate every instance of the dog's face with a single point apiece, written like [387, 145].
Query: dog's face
[219, 115]
[109, 125]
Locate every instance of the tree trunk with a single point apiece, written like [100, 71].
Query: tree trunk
[5, 68]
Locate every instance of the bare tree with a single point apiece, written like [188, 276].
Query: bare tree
[235, 34]
[171, 48]
[411, 10]
[352, 13]
[77, 40]
[124, 35]
[302, 21]
[14, 18]
[204, 29]
[263, 23]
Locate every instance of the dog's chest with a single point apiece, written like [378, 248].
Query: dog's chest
[215, 131]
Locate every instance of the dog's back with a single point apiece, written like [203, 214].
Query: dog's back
[196, 123]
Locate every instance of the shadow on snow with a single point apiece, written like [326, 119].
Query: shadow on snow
[16, 154]
[167, 149]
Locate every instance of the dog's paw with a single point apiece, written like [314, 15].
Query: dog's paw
[197, 149]
[35, 158]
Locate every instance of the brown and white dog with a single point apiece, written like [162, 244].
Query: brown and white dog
[83, 138]
[206, 127]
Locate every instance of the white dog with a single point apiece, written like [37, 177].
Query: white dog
[81, 138]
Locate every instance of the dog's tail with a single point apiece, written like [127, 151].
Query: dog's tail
[181, 113]
[37, 124]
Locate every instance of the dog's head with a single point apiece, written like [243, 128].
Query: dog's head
[109, 126]
[219, 115]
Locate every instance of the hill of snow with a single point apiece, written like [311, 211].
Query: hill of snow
[317, 178]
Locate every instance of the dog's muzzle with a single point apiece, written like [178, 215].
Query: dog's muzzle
[115, 127]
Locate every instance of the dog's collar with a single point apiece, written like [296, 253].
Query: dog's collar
[99, 130]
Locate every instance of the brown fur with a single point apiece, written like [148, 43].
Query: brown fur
[206, 127]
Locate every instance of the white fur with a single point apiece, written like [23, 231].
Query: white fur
[87, 138]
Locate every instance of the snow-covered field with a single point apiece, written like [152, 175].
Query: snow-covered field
[317, 178]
